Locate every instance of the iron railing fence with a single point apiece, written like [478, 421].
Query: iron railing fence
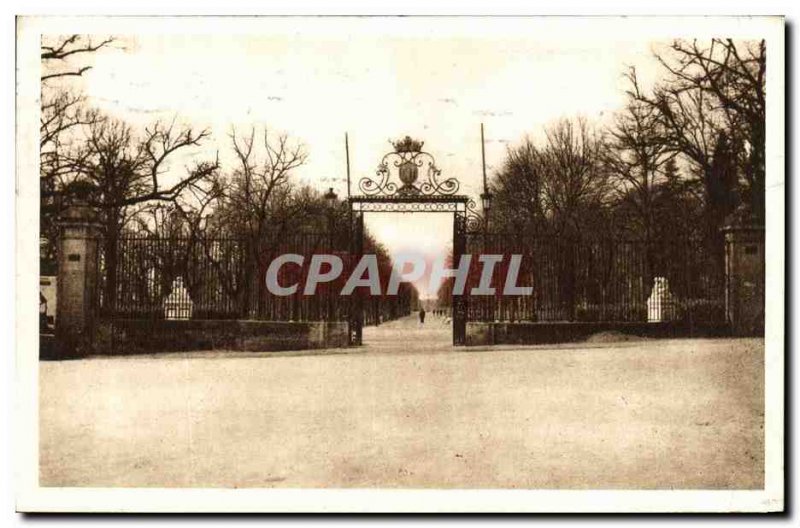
[224, 278]
[605, 280]
[609, 280]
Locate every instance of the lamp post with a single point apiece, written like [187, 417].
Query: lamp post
[330, 197]
[486, 204]
[330, 200]
[486, 196]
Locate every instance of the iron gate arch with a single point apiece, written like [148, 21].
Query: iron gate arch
[397, 188]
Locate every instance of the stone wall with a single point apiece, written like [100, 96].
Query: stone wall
[137, 336]
[520, 333]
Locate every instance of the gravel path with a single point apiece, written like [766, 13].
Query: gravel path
[408, 410]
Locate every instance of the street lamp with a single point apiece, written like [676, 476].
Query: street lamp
[486, 204]
[486, 196]
[330, 198]
[486, 201]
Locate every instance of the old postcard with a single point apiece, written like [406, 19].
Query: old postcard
[400, 264]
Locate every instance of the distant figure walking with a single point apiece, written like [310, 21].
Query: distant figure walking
[421, 315]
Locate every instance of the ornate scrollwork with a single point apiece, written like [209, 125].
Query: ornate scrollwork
[406, 161]
[474, 220]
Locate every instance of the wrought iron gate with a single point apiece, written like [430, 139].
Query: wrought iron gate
[404, 193]
[356, 319]
[460, 301]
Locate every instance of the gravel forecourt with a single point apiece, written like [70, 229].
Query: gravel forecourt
[409, 410]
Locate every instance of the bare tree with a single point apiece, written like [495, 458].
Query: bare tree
[575, 183]
[63, 111]
[518, 190]
[636, 158]
[128, 170]
[198, 202]
[127, 175]
[65, 47]
[258, 203]
[710, 89]
[261, 179]
[560, 187]
[734, 73]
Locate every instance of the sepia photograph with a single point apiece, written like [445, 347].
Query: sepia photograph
[285, 260]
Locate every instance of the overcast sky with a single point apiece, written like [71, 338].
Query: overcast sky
[316, 87]
[376, 89]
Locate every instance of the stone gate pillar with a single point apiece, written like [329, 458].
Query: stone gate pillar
[78, 271]
[744, 277]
